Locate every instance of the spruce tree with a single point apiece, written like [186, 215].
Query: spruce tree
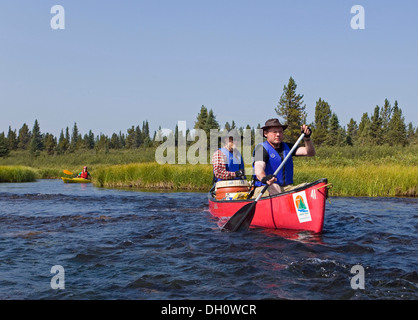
[74, 138]
[376, 127]
[138, 137]
[24, 137]
[334, 131]
[211, 122]
[63, 143]
[410, 134]
[114, 141]
[363, 136]
[50, 143]
[146, 134]
[4, 145]
[352, 130]
[201, 118]
[130, 138]
[292, 109]
[322, 120]
[12, 139]
[36, 144]
[397, 127]
[385, 116]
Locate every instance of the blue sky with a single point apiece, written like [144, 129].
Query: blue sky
[118, 63]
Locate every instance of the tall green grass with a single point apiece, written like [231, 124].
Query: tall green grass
[155, 176]
[365, 179]
[17, 174]
[353, 171]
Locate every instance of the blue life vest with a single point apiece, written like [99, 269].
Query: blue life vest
[230, 165]
[285, 175]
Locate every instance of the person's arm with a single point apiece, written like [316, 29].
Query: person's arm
[308, 150]
[260, 159]
[219, 168]
[259, 171]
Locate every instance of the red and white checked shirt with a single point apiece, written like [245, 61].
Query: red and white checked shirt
[219, 168]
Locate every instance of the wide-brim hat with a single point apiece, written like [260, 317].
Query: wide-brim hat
[274, 123]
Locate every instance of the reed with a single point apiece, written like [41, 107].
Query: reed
[363, 180]
[353, 171]
[155, 176]
[17, 174]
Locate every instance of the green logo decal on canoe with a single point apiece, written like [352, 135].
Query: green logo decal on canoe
[302, 207]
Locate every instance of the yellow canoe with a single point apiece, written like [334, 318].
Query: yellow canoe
[75, 180]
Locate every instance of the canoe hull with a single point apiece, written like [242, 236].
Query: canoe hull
[75, 180]
[300, 209]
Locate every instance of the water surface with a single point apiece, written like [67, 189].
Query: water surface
[116, 244]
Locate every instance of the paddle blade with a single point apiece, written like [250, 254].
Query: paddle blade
[241, 220]
[68, 172]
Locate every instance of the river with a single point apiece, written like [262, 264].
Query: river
[121, 244]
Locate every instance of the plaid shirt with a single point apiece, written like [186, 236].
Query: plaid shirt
[219, 168]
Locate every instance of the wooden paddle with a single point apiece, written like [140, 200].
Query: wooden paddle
[242, 219]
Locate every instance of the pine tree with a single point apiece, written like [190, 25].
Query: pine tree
[89, 141]
[122, 139]
[334, 131]
[12, 139]
[63, 143]
[4, 145]
[227, 126]
[376, 127]
[138, 137]
[292, 108]
[363, 136]
[385, 116]
[211, 122]
[411, 135]
[146, 134]
[322, 120]
[397, 128]
[130, 139]
[114, 142]
[36, 144]
[352, 130]
[74, 138]
[50, 143]
[24, 137]
[201, 118]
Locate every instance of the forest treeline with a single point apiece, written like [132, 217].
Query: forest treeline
[385, 125]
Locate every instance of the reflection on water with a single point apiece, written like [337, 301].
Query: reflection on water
[118, 244]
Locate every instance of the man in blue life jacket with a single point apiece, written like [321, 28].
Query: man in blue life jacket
[227, 161]
[269, 155]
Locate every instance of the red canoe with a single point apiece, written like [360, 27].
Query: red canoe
[300, 209]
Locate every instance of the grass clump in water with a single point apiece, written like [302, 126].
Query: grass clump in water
[17, 174]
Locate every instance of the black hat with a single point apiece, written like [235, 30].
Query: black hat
[274, 123]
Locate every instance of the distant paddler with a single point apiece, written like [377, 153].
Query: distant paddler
[84, 174]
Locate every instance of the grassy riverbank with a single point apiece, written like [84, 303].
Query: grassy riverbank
[354, 171]
[364, 180]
